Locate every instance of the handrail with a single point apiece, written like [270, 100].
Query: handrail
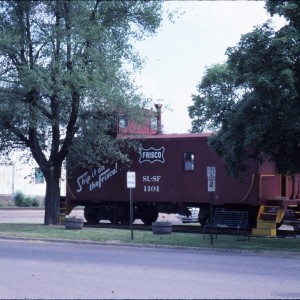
[70, 191]
[250, 189]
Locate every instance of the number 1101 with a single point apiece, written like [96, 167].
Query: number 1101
[151, 188]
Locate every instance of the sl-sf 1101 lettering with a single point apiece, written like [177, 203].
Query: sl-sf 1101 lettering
[151, 188]
[151, 178]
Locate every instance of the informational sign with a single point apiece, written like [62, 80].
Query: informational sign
[131, 185]
[211, 179]
[211, 172]
[211, 187]
[131, 180]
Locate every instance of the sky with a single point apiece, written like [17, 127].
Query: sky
[176, 57]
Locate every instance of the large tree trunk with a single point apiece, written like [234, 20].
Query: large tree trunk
[52, 199]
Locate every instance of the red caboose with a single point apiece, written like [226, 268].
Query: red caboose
[171, 175]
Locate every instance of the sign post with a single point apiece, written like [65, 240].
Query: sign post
[131, 185]
[211, 187]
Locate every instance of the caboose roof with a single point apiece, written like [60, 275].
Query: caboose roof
[171, 136]
[182, 135]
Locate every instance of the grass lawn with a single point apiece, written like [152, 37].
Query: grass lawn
[147, 237]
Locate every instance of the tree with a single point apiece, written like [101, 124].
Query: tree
[217, 98]
[289, 9]
[254, 104]
[59, 60]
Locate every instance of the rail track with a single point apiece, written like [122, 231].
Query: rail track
[185, 228]
[175, 228]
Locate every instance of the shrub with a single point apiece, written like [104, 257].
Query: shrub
[20, 198]
[33, 201]
[25, 201]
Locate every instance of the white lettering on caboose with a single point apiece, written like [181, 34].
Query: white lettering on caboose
[151, 155]
[92, 181]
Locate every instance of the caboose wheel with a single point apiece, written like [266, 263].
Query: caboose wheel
[203, 215]
[91, 216]
[118, 215]
[149, 216]
[126, 221]
[114, 220]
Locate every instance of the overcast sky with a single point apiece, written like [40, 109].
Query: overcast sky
[178, 54]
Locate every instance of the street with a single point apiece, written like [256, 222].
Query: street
[48, 270]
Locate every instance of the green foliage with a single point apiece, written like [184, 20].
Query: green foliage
[25, 201]
[252, 101]
[62, 61]
[217, 97]
[290, 9]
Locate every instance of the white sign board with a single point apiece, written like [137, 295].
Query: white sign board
[211, 172]
[131, 180]
[211, 184]
[211, 179]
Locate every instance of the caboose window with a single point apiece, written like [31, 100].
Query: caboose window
[153, 122]
[123, 121]
[188, 161]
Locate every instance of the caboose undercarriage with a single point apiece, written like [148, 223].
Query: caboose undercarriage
[118, 212]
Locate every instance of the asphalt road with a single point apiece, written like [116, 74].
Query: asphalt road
[44, 270]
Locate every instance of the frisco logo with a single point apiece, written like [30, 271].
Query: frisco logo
[151, 155]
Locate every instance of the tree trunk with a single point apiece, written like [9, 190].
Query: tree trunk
[52, 199]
